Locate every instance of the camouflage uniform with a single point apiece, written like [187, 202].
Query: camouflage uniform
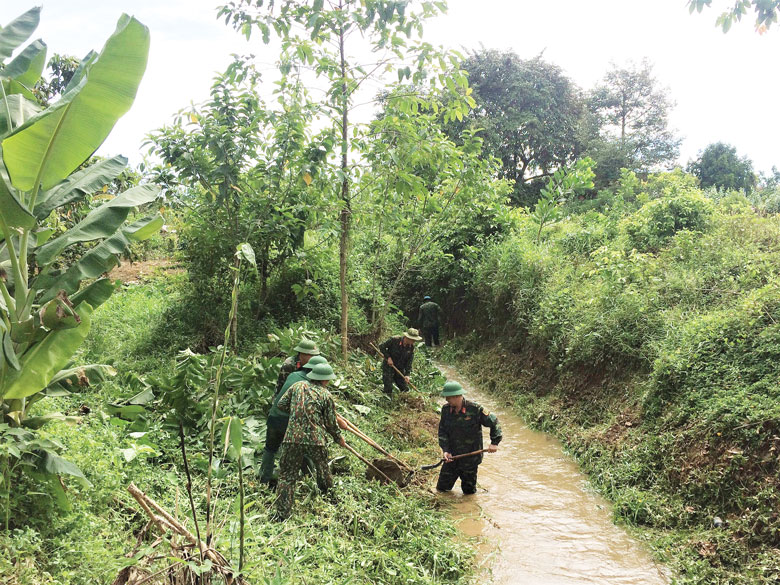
[312, 420]
[403, 356]
[290, 365]
[461, 432]
[428, 320]
[275, 427]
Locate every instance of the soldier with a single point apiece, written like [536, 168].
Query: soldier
[305, 350]
[398, 351]
[460, 431]
[276, 424]
[428, 319]
[312, 419]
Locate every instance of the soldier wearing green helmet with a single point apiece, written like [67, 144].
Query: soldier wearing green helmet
[276, 423]
[460, 431]
[312, 419]
[398, 351]
[305, 349]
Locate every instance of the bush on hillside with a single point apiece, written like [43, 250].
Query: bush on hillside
[657, 221]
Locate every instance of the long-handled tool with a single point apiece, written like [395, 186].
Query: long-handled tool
[379, 351]
[442, 460]
[352, 428]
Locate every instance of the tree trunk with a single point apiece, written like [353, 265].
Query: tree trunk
[345, 210]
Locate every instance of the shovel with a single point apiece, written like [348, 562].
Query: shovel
[352, 428]
[371, 465]
[442, 460]
[393, 366]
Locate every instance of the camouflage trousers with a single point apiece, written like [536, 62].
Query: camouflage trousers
[450, 472]
[293, 456]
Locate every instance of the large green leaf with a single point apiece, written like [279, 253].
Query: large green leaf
[56, 465]
[20, 108]
[27, 66]
[98, 260]
[79, 184]
[18, 31]
[45, 359]
[96, 293]
[55, 143]
[99, 223]
[13, 212]
[83, 376]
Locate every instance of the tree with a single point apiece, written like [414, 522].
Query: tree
[327, 37]
[531, 116]
[766, 12]
[44, 312]
[719, 166]
[632, 114]
[242, 172]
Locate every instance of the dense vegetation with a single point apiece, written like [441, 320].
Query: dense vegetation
[630, 308]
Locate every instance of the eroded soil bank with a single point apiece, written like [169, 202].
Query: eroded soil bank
[537, 521]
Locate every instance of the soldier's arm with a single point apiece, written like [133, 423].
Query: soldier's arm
[444, 439]
[284, 371]
[284, 402]
[385, 347]
[488, 419]
[329, 414]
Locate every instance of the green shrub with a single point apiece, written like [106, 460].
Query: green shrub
[657, 221]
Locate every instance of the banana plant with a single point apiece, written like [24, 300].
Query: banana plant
[44, 309]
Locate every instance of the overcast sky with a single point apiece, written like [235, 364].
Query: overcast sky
[725, 86]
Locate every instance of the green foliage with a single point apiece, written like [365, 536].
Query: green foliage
[44, 315]
[719, 166]
[563, 184]
[658, 220]
[766, 12]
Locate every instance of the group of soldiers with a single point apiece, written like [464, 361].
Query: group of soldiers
[303, 417]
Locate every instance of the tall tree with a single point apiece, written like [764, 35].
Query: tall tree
[632, 114]
[531, 115]
[720, 166]
[348, 43]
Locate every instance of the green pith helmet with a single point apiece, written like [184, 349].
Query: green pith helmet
[413, 334]
[317, 359]
[452, 389]
[321, 372]
[307, 346]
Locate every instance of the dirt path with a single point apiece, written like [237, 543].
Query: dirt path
[537, 521]
[130, 273]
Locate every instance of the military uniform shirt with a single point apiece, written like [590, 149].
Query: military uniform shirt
[402, 355]
[312, 415]
[296, 376]
[288, 367]
[429, 315]
[461, 431]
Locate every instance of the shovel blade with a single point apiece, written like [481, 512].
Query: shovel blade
[431, 466]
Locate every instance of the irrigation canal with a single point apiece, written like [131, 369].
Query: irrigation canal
[535, 518]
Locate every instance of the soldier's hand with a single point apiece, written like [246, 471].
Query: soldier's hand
[447, 457]
[341, 422]
[389, 361]
[406, 379]
[492, 448]
[342, 442]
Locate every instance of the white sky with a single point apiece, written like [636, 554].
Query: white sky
[725, 86]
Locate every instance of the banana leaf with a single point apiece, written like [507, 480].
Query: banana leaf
[18, 31]
[99, 223]
[98, 260]
[28, 65]
[53, 144]
[79, 184]
[20, 108]
[44, 360]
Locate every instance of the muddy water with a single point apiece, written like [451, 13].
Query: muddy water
[536, 522]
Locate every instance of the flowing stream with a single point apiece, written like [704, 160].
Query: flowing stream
[535, 518]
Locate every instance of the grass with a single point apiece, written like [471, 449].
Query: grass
[360, 533]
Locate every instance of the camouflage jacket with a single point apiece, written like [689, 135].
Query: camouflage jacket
[402, 355]
[461, 431]
[289, 365]
[312, 415]
[296, 376]
[428, 315]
